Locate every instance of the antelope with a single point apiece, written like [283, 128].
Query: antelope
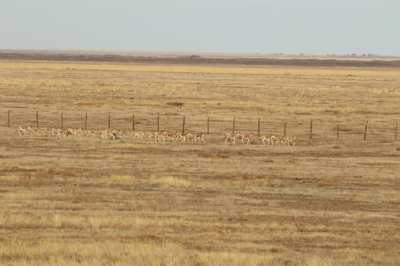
[268, 139]
[109, 132]
[139, 135]
[170, 136]
[24, 130]
[199, 137]
[232, 136]
[291, 140]
[124, 133]
[160, 134]
[150, 135]
[183, 135]
[75, 132]
[49, 131]
[247, 138]
[62, 132]
[35, 131]
[282, 140]
[92, 133]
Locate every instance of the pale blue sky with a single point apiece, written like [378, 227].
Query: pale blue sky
[268, 26]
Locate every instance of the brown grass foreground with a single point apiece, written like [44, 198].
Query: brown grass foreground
[125, 202]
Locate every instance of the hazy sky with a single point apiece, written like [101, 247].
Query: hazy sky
[265, 26]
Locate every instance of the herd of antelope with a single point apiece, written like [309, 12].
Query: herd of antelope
[156, 136]
[266, 140]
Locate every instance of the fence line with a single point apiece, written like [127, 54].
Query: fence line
[317, 128]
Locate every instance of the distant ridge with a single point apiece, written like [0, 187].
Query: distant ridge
[198, 58]
[176, 54]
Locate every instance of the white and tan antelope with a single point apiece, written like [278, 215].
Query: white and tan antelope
[124, 134]
[291, 140]
[170, 137]
[200, 137]
[75, 132]
[50, 131]
[62, 132]
[112, 133]
[282, 140]
[23, 130]
[138, 135]
[92, 133]
[160, 135]
[268, 139]
[34, 131]
[247, 138]
[184, 136]
[233, 136]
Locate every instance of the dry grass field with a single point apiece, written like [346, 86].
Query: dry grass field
[78, 201]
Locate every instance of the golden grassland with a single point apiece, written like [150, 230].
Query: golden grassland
[78, 201]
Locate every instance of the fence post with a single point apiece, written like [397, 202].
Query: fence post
[158, 123]
[85, 121]
[337, 131]
[9, 122]
[311, 130]
[233, 126]
[183, 125]
[284, 128]
[37, 119]
[62, 120]
[365, 130]
[259, 127]
[208, 125]
[109, 121]
[395, 132]
[133, 122]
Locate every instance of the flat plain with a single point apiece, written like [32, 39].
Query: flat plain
[87, 201]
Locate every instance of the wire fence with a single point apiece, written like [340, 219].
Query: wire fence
[311, 130]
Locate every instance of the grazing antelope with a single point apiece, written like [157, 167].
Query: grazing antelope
[91, 133]
[75, 132]
[24, 130]
[199, 137]
[291, 140]
[268, 139]
[63, 132]
[49, 131]
[247, 138]
[232, 136]
[282, 140]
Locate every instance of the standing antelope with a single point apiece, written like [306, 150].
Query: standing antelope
[183, 135]
[232, 136]
[109, 133]
[124, 133]
[49, 131]
[34, 131]
[24, 130]
[291, 140]
[139, 135]
[268, 139]
[247, 138]
[282, 140]
[199, 137]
